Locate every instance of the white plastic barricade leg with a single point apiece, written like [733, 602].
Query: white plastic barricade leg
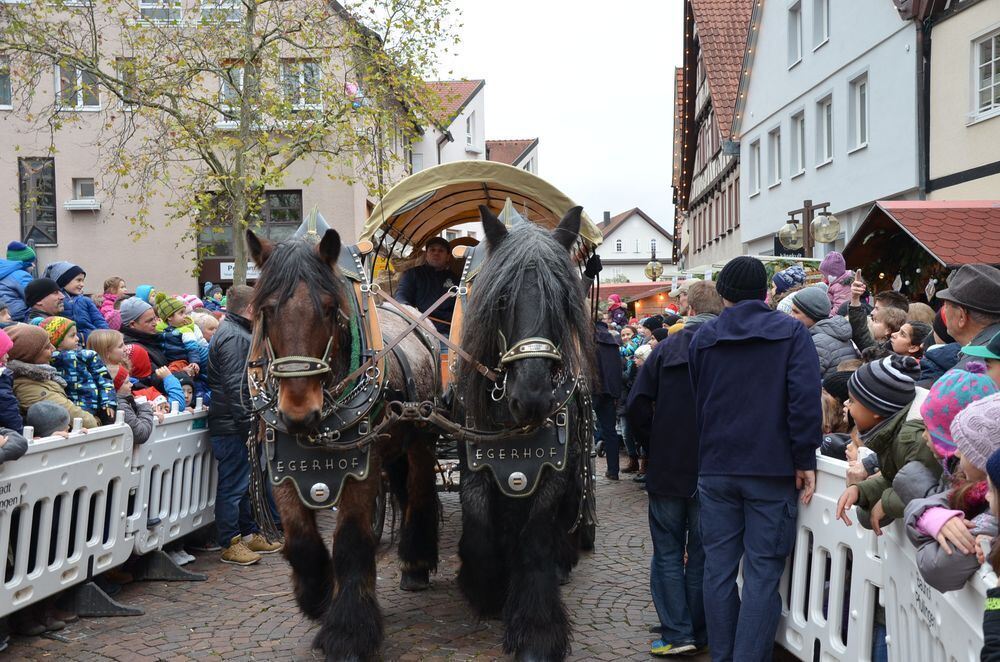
[62, 513]
[829, 587]
[176, 478]
[923, 624]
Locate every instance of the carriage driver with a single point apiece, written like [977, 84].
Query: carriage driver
[421, 286]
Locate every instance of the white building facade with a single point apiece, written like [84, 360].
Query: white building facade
[630, 241]
[826, 111]
[458, 134]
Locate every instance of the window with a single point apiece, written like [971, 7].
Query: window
[859, 112]
[530, 165]
[652, 246]
[76, 89]
[416, 161]
[125, 67]
[798, 151]
[83, 189]
[301, 82]
[161, 11]
[6, 95]
[794, 34]
[636, 246]
[280, 216]
[470, 130]
[755, 167]
[824, 131]
[618, 246]
[451, 235]
[37, 180]
[987, 88]
[774, 157]
[219, 11]
[821, 22]
[230, 91]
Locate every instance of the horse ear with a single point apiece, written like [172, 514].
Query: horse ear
[569, 228]
[260, 249]
[493, 227]
[329, 247]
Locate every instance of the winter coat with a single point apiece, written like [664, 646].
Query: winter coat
[10, 413]
[945, 572]
[936, 361]
[915, 481]
[991, 626]
[609, 365]
[15, 447]
[151, 342]
[858, 317]
[227, 377]
[422, 285]
[82, 310]
[756, 383]
[832, 338]
[111, 316]
[619, 316]
[840, 292]
[14, 277]
[35, 383]
[139, 417]
[184, 343]
[661, 406]
[88, 382]
[897, 441]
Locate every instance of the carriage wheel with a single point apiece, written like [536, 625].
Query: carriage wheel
[381, 504]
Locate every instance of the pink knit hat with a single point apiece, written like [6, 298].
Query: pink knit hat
[191, 302]
[5, 343]
[953, 392]
[976, 430]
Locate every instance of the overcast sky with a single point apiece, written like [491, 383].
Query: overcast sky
[593, 80]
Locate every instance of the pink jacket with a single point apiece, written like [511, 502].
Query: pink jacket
[840, 292]
[113, 317]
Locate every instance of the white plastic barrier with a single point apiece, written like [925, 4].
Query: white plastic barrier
[174, 481]
[62, 513]
[923, 624]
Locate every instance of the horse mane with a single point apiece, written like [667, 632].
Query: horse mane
[561, 308]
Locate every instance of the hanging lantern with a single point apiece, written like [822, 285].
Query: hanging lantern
[825, 228]
[653, 269]
[790, 236]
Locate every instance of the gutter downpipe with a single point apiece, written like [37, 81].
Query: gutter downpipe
[924, 104]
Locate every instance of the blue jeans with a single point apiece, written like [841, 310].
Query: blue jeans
[676, 587]
[750, 518]
[232, 496]
[604, 407]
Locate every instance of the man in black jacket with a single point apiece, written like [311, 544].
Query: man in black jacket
[607, 390]
[421, 286]
[229, 427]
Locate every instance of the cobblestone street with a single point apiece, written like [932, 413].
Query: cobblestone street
[249, 613]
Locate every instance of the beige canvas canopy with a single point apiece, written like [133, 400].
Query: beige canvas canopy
[424, 204]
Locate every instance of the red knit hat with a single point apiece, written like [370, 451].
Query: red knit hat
[139, 358]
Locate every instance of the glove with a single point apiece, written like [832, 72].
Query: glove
[593, 266]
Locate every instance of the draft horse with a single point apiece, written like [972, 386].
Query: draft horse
[306, 342]
[527, 312]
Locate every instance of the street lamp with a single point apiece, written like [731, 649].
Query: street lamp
[823, 228]
[653, 268]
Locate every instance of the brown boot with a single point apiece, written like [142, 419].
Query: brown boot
[632, 466]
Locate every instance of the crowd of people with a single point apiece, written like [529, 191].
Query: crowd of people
[69, 361]
[725, 398]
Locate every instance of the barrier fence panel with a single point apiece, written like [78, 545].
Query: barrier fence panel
[62, 513]
[176, 479]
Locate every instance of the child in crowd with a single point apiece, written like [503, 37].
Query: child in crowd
[151, 384]
[114, 290]
[991, 617]
[835, 274]
[139, 416]
[885, 322]
[944, 527]
[209, 324]
[909, 340]
[187, 384]
[48, 420]
[881, 394]
[146, 293]
[213, 297]
[990, 352]
[88, 383]
[81, 309]
[182, 339]
[5, 318]
[10, 413]
[110, 346]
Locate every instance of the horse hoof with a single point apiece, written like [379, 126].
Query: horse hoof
[564, 576]
[415, 580]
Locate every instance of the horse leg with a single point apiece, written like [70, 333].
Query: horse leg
[418, 535]
[536, 623]
[569, 511]
[482, 575]
[312, 571]
[352, 625]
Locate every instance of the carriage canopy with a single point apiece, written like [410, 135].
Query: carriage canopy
[425, 204]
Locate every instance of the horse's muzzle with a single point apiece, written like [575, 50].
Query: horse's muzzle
[308, 424]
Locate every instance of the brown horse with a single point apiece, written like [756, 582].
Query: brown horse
[303, 309]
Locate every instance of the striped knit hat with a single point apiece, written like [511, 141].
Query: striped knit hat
[19, 252]
[885, 386]
[57, 328]
[953, 392]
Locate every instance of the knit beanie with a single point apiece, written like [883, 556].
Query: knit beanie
[940, 327]
[143, 291]
[953, 392]
[743, 278]
[131, 309]
[57, 328]
[137, 355]
[5, 344]
[885, 386]
[788, 278]
[652, 323]
[833, 265]
[47, 418]
[812, 301]
[836, 384]
[19, 252]
[976, 430]
[63, 272]
[191, 302]
[38, 289]
[167, 306]
[993, 467]
[29, 342]
[660, 334]
[210, 290]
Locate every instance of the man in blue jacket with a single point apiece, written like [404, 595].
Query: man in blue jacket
[756, 381]
[661, 406]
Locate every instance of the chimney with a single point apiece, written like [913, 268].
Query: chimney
[607, 217]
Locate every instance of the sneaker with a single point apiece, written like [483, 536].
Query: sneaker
[699, 650]
[662, 648]
[188, 558]
[258, 543]
[239, 554]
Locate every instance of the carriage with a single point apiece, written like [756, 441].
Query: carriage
[388, 387]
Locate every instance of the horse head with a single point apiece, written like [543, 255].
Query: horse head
[527, 311]
[299, 324]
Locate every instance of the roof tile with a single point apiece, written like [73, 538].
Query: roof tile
[956, 231]
[451, 95]
[508, 151]
[722, 31]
